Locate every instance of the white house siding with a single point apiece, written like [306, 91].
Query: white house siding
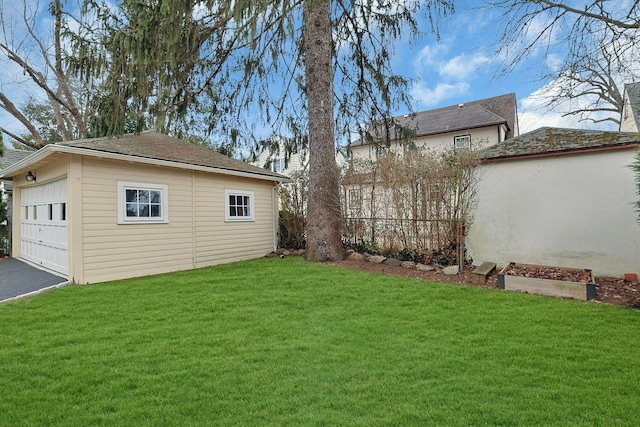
[218, 241]
[567, 211]
[627, 118]
[112, 251]
[295, 164]
[482, 137]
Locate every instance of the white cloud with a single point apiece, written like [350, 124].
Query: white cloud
[431, 97]
[534, 112]
[442, 77]
[554, 62]
[429, 56]
[462, 66]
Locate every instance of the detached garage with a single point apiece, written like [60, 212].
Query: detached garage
[111, 208]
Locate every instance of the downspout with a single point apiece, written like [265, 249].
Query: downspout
[275, 191]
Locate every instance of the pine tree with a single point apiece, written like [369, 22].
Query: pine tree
[170, 64]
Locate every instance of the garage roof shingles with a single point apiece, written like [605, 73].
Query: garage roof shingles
[154, 145]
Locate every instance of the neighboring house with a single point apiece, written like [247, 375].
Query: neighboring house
[415, 198]
[6, 189]
[559, 197]
[275, 159]
[293, 195]
[484, 123]
[630, 117]
[110, 208]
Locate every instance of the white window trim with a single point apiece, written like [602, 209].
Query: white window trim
[122, 205]
[277, 165]
[232, 192]
[466, 138]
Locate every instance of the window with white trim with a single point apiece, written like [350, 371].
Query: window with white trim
[277, 165]
[238, 205]
[142, 203]
[462, 141]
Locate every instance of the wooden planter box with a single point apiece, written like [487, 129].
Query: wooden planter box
[551, 287]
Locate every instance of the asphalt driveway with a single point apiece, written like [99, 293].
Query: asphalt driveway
[18, 279]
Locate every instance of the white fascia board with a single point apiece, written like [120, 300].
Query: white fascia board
[52, 148]
[27, 161]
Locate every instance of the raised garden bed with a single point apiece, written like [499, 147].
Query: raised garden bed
[553, 281]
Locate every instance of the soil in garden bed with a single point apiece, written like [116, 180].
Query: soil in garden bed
[550, 273]
[609, 290]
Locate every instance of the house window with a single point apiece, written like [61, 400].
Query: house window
[142, 203]
[239, 205]
[462, 141]
[355, 198]
[277, 165]
[382, 151]
[434, 193]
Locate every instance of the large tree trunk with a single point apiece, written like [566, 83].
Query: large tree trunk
[324, 220]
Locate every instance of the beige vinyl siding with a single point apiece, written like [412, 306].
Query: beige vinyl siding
[218, 241]
[113, 251]
[196, 234]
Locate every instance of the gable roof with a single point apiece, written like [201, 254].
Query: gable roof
[632, 92]
[476, 114]
[151, 147]
[555, 141]
[11, 157]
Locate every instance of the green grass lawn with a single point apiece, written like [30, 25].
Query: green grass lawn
[285, 342]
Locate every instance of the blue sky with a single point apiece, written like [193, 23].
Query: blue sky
[461, 67]
[464, 67]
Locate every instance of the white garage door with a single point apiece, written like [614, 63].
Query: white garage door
[44, 225]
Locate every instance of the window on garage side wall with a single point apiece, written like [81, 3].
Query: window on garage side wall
[239, 205]
[142, 203]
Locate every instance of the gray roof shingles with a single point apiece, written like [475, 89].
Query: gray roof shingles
[547, 140]
[154, 145]
[10, 157]
[13, 156]
[481, 113]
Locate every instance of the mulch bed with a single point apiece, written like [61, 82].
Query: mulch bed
[609, 290]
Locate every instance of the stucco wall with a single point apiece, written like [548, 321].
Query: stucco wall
[568, 211]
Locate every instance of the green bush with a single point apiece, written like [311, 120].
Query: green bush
[408, 255]
[4, 230]
[292, 230]
[363, 246]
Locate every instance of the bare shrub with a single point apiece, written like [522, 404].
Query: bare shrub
[419, 201]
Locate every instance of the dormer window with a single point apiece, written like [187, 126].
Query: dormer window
[462, 141]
